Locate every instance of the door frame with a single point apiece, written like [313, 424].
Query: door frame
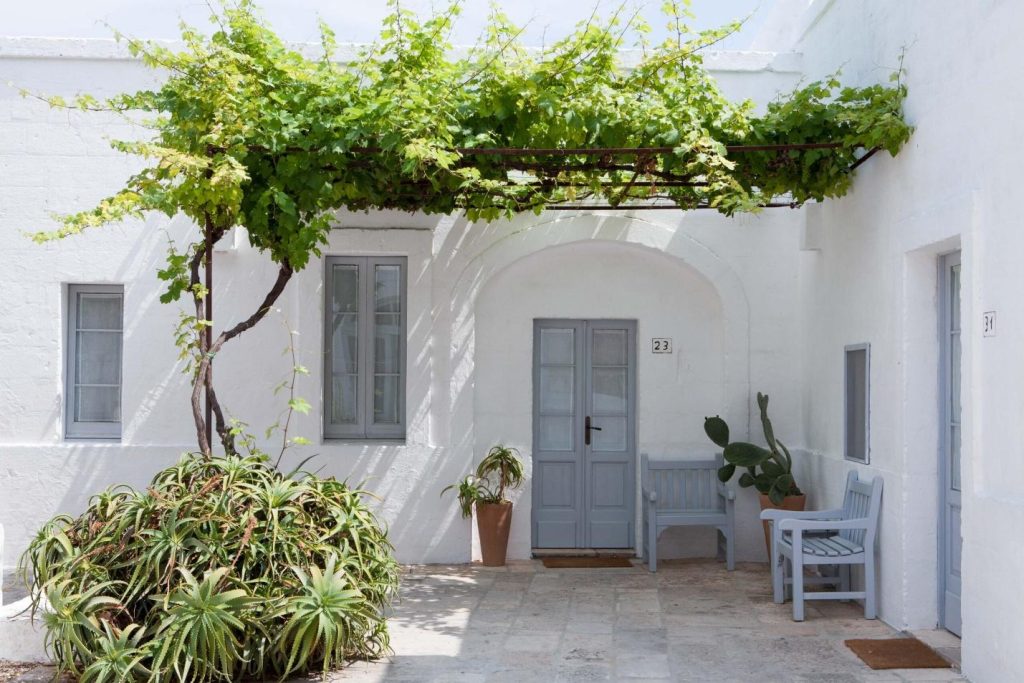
[946, 262]
[632, 325]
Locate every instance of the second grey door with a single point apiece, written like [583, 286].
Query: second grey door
[950, 541]
[584, 433]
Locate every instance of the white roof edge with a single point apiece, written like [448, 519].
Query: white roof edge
[788, 22]
[31, 47]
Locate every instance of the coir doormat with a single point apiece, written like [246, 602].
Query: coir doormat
[586, 562]
[897, 653]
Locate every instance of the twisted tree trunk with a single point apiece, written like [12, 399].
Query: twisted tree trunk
[208, 350]
[196, 287]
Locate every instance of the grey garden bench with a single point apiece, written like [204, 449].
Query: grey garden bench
[685, 493]
[843, 537]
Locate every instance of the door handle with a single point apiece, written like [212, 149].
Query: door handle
[587, 428]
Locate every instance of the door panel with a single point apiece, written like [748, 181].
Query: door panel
[557, 446]
[610, 455]
[584, 478]
[951, 464]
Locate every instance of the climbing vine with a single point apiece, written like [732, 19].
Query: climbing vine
[247, 131]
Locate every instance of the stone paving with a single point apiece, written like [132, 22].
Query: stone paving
[692, 621]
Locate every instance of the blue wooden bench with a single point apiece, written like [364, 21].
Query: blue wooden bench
[685, 493]
[842, 537]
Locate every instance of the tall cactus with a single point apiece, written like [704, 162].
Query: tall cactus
[769, 470]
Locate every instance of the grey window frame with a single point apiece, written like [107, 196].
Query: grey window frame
[364, 428]
[848, 398]
[75, 429]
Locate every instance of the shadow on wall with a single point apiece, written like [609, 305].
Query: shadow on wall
[51, 476]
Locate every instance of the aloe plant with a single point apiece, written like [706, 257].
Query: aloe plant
[769, 470]
[221, 569]
[328, 608]
[119, 657]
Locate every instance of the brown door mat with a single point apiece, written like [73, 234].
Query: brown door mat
[897, 653]
[586, 562]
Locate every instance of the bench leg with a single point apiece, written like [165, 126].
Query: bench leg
[652, 543]
[870, 592]
[798, 585]
[643, 535]
[779, 578]
[730, 549]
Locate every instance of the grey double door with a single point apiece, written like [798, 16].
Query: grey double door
[584, 433]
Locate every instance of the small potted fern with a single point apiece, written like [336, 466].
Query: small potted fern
[499, 471]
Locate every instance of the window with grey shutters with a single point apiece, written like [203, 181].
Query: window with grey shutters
[857, 402]
[364, 362]
[95, 321]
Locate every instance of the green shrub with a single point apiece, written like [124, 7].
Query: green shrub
[222, 568]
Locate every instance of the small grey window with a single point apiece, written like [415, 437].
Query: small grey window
[364, 342]
[92, 403]
[858, 402]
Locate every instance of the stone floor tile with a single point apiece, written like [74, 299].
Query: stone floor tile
[828, 678]
[942, 641]
[645, 666]
[639, 620]
[531, 643]
[583, 673]
[582, 624]
[640, 641]
[42, 674]
[460, 677]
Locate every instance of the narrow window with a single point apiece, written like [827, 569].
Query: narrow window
[364, 364]
[858, 373]
[92, 400]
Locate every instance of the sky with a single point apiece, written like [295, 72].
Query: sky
[353, 20]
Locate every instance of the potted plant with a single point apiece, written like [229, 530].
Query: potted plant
[769, 470]
[499, 471]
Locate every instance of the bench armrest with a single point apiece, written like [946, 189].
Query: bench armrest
[726, 492]
[649, 495]
[823, 525]
[776, 515]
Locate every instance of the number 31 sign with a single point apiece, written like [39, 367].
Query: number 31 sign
[661, 345]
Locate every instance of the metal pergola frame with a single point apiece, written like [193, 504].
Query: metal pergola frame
[604, 162]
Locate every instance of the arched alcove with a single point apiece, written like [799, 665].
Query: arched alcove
[595, 267]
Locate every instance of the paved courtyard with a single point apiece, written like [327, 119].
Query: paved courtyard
[692, 621]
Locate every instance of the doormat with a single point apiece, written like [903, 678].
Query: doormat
[586, 562]
[897, 653]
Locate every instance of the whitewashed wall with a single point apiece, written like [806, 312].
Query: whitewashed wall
[725, 290]
[874, 280]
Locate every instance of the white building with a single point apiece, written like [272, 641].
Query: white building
[919, 263]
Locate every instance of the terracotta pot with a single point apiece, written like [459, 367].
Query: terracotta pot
[493, 521]
[792, 503]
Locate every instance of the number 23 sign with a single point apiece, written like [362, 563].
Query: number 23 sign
[661, 345]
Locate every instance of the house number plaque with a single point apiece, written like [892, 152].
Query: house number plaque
[988, 324]
[661, 345]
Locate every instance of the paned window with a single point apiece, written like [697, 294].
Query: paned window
[364, 364]
[95, 322]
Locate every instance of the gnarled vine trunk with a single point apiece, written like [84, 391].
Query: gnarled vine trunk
[209, 347]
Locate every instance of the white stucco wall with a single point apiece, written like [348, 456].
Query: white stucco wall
[725, 290]
[874, 280]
